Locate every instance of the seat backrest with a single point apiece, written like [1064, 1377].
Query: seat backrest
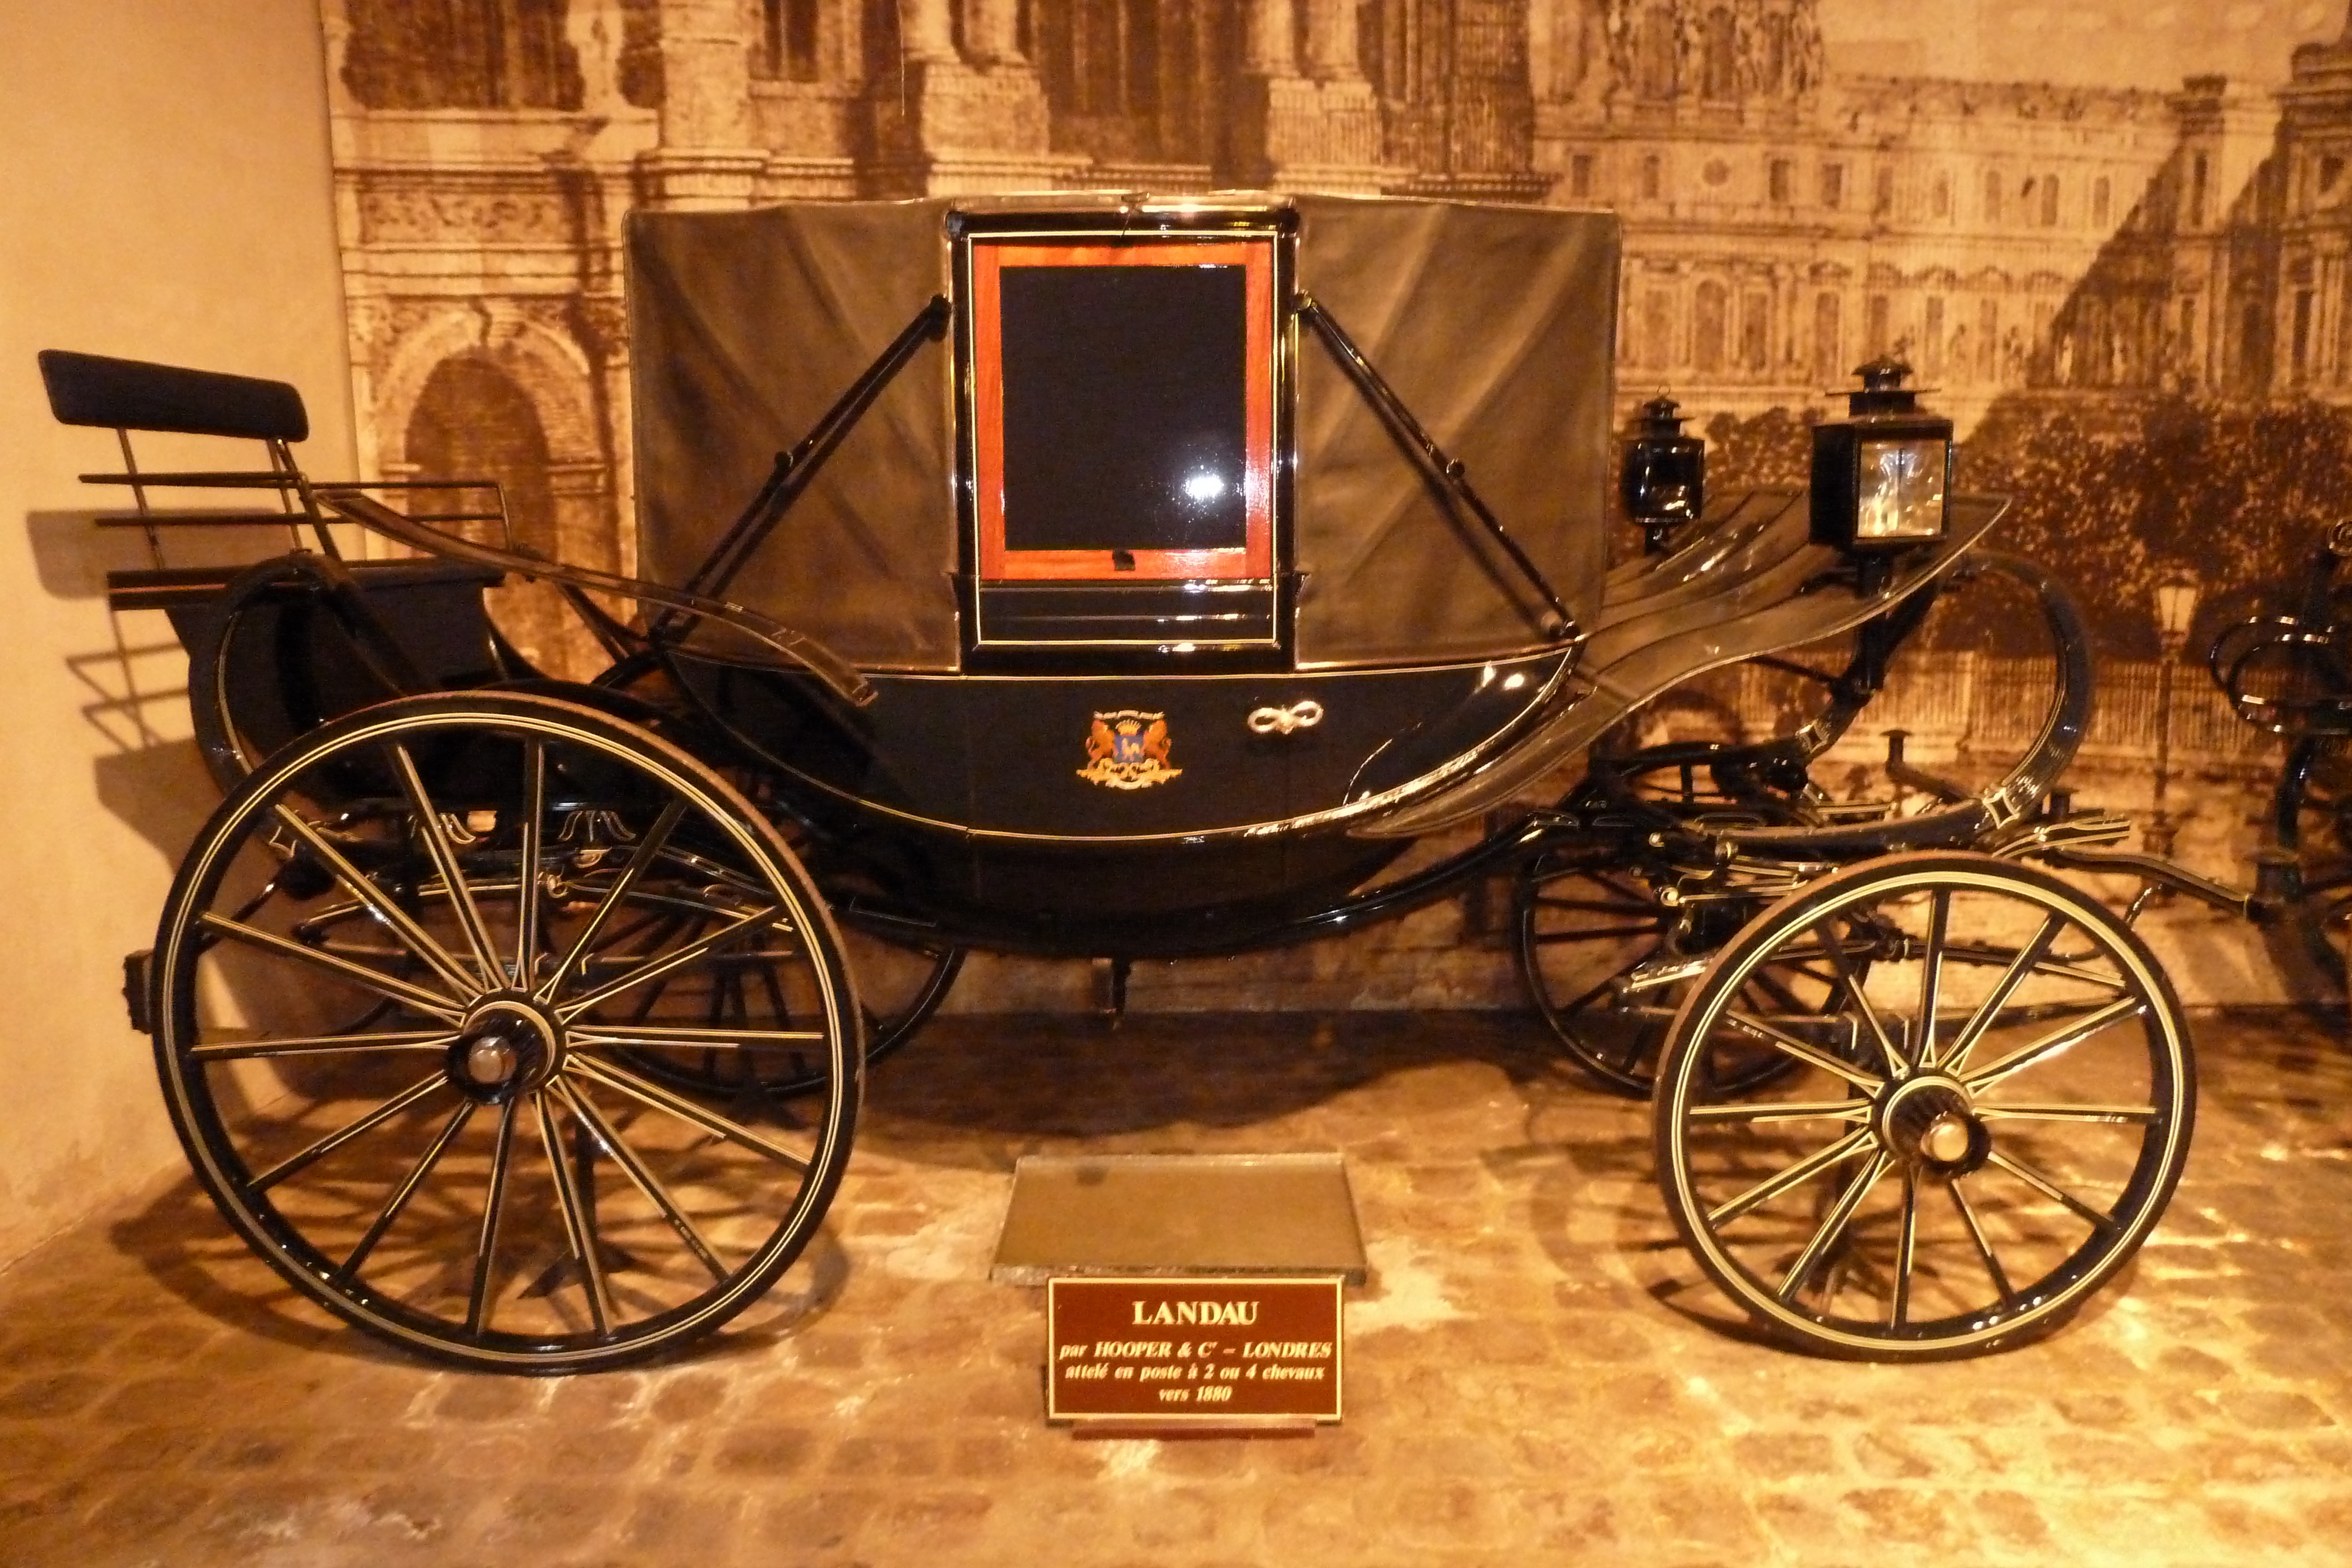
[132, 395]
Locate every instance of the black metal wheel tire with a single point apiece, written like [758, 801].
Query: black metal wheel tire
[395, 992]
[2312, 820]
[1963, 1154]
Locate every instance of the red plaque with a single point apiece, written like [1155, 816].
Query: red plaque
[1235, 1350]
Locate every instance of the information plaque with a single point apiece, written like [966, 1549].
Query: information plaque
[1237, 1352]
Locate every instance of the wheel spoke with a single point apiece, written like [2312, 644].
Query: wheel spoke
[685, 1110]
[1782, 1040]
[336, 1140]
[1638, 1044]
[640, 1173]
[1907, 1243]
[592, 1034]
[1984, 1248]
[2140, 1113]
[2054, 966]
[1591, 995]
[2050, 1044]
[319, 1044]
[1783, 1111]
[2052, 1190]
[383, 985]
[534, 810]
[654, 993]
[1596, 934]
[445, 860]
[648, 849]
[420, 942]
[349, 1268]
[1931, 976]
[678, 958]
[579, 1227]
[1797, 1174]
[777, 1007]
[1834, 1224]
[2028, 956]
[1896, 1066]
[485, 1248]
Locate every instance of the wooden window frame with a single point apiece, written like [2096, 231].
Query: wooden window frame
[998, 563]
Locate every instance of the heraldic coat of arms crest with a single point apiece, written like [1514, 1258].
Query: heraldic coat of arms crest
[1128, 750]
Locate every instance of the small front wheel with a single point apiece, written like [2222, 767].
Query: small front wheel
[1962, 1152]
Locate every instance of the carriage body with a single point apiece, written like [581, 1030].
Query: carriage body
[1207, 554]
[1155, 604]
[1145, 580]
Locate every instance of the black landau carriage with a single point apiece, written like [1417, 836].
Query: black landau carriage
[1147, 579]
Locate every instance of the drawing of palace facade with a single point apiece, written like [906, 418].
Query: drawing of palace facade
[1783, 222]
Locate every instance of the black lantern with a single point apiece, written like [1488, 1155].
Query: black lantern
[1665, 477]
[1882, 475]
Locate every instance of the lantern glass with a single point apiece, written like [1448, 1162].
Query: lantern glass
[1665, 481]
[1903, 489]
[2175, 606]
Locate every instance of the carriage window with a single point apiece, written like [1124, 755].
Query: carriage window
[1123, 409]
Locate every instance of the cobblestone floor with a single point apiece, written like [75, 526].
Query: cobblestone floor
[1536, 1374]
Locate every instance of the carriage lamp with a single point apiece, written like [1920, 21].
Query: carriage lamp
[1665, 477]
[1883, 474]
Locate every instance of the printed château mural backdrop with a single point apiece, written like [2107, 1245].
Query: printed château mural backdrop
[2111, 234]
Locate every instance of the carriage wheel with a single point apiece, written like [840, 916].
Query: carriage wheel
[2312, 819]
[1965, 1151]
[1583, 923]
[899, 988]
[901, 984]
[397, 983]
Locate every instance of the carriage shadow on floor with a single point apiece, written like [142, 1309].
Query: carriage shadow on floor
[180, 1242]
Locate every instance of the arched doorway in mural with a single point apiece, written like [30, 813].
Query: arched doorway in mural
[472, 421]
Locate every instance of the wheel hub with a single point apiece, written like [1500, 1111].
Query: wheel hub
[1929, 1123]
[509, 1045]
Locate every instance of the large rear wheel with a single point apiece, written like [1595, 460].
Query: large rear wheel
[398, 989]
[1607, 959]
